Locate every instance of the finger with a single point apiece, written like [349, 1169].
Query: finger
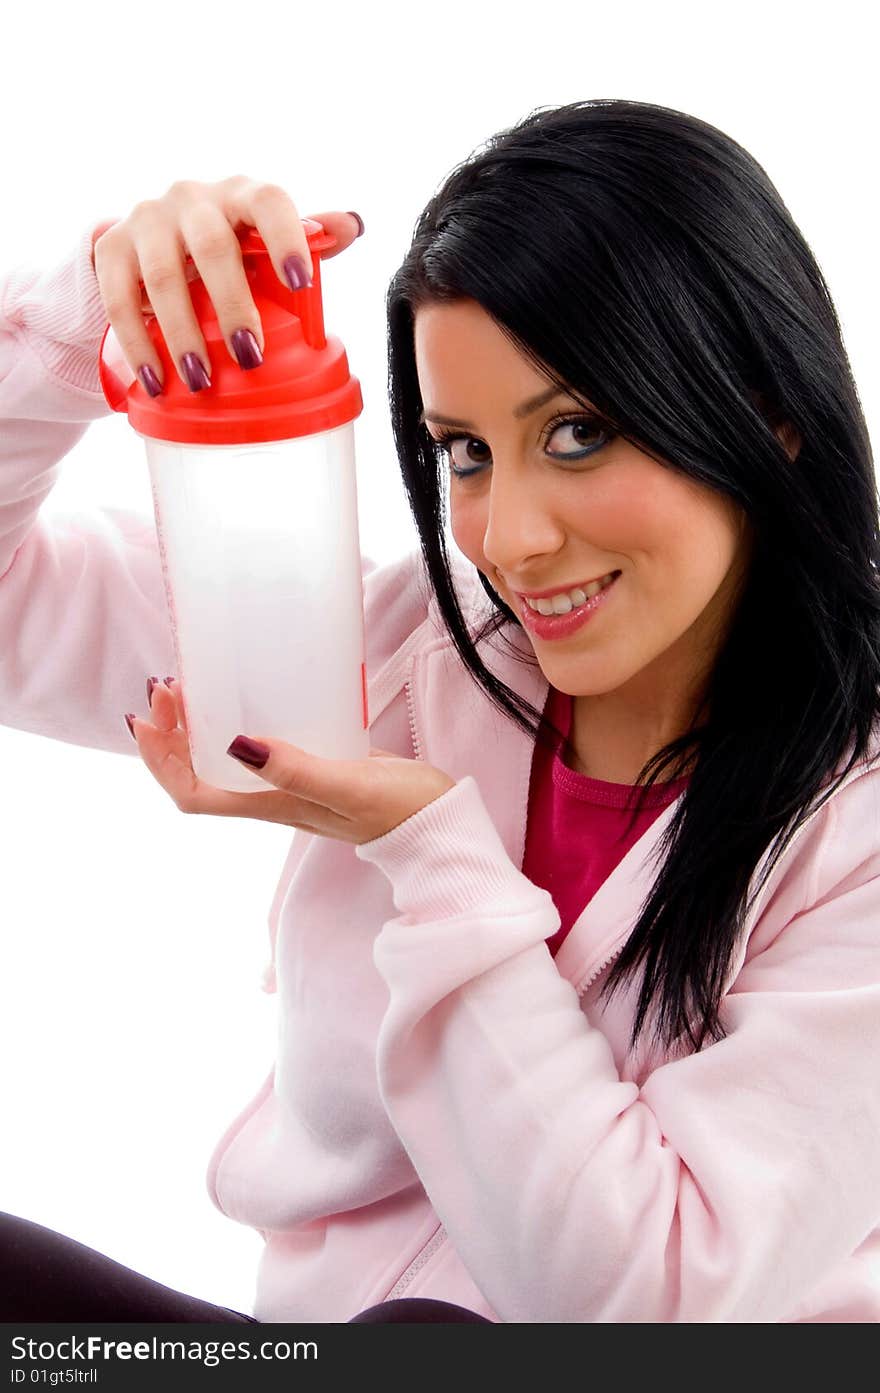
[173, 686]
[272, 211]
[163, 709]
[189, 271]
[118, 270]
[339, 787]
[160, 255]
[163, 723]
[345, 227]
[304, 805]
[217, 258]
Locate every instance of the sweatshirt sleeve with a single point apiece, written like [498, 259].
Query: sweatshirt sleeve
[83, 614]
[722, 1190]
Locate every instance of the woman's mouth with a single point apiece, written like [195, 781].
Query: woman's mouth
[558, 626]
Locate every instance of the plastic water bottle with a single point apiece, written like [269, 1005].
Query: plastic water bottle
[255, 501]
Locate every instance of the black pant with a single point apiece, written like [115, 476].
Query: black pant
[47, 1277]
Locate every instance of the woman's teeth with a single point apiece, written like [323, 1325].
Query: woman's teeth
[570, 599]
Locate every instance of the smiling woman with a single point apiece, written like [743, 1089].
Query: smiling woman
[649, 274]
[612, 358]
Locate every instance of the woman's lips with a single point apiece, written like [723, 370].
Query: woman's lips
[550, 626]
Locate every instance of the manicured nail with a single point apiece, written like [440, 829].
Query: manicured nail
[151, 683]
[352, 214]
[195, 372]
[168, 680]
[296, 273]
[246, 349]
[129, 717]
[150, 380]
[249, 751]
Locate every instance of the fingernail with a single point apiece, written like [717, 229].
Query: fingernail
[246, 349]
[296, 273]
[195, 372]
[129, 717]
[151, 683]
[150, 380]
[352, 214]
[249, 751]
[168, 681]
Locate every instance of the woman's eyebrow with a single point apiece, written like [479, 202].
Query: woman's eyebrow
[525, 408]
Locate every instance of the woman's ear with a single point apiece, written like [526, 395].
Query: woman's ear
[787, 435]
[789, 438]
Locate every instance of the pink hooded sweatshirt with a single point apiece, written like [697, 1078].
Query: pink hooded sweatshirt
[453, 1112]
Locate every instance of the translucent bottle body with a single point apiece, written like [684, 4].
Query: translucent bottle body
[261, 560]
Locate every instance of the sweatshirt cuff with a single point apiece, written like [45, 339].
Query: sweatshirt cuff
[448, 858]
[61, 315]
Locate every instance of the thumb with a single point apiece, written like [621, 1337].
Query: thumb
[345, 227]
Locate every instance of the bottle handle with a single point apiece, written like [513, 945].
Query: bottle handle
[306, 303]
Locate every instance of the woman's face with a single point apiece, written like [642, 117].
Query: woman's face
[549, 510]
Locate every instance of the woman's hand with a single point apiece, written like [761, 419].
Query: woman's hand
[200, 221]
[349, 800]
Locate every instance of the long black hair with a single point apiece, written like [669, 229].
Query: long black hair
[641, 258]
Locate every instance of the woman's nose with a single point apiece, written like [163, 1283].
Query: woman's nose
[518, 526]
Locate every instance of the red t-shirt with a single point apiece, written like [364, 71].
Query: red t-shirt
[575, 824]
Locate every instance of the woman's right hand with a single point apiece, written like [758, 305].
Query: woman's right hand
[200, 221]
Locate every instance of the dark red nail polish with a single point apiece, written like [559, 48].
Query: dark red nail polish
[129, 717]
[246, 349]
[150, 380]
[195, 372]
[297, 273]
[250, 752]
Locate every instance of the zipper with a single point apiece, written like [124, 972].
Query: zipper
[588, 981]
[438, 1237]
[410, 706]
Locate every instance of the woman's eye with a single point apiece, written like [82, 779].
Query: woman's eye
[463, 460]
[583, 436]
[467, 454]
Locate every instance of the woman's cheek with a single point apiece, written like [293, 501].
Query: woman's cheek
[468, 530]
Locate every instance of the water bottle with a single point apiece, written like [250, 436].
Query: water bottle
[255, 502]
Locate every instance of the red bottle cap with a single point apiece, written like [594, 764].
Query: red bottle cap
[303, 385]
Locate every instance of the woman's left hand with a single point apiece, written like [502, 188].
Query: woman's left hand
[350, 800]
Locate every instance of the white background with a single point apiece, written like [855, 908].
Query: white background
[132, 1025]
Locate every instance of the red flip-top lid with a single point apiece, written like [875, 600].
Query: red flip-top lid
[303, 385]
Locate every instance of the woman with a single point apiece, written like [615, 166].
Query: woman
[579, 973]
